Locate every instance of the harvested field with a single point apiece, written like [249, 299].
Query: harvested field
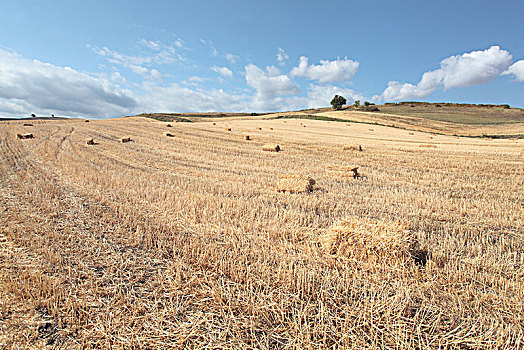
[184, 243]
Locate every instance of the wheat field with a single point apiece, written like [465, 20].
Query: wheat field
[183, 242]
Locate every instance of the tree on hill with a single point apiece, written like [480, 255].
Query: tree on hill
[338, 101]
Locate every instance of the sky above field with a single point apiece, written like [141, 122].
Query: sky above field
[113, 58]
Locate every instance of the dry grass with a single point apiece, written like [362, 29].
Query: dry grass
[186, 244]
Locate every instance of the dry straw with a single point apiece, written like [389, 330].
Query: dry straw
[295, 184]
[269, 147]
[364, 240]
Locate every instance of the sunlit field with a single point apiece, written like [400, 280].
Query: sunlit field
[183, 242]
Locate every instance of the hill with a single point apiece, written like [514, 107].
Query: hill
[496, 121]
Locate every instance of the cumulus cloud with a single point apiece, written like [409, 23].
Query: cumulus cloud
[224, 71]
[517, 70]
[321, 96]
[270, 86]
[327, 71]
[28, 86]
[178, 98]
[282, 56]
[468, 69]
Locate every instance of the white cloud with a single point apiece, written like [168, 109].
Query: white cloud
[179, 42]
[270, 86]
[516, 69]
[156, 75]
[231, 58]
[468, 69]
[282, 56]
[139, 70]
[178, 98]
[30, 86]
[321, 96]
[224, 71]
[327, 72]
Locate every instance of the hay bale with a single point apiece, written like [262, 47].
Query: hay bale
[352, 148]
[364, 240]
[271, 147]
[343, 171]
[90, 141]
[295, 184]
[86, 121]
[126, 139]
[168, 125]
[227, 129]
[169, 135]
[27, 124]
[259, 128]
[248, 138]
[25, 136]
[270, 128]
[214, 123]
[411, 133]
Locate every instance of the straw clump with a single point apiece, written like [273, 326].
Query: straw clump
[372, 241]
[295, 184]
[269, 147]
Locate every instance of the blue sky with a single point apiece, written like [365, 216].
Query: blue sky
[112, 58]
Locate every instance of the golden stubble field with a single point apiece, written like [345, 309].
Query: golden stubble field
[183, 242]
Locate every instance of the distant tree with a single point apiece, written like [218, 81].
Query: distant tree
[33, 115]
[357, 103]
[337, 102]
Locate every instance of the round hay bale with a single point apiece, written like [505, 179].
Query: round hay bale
[126, 139]
[169, 135]
[168, 125]
[86, 121]
[364, 240]
[90, 142]
[248, 138]
[227, 129]
[271, 147]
